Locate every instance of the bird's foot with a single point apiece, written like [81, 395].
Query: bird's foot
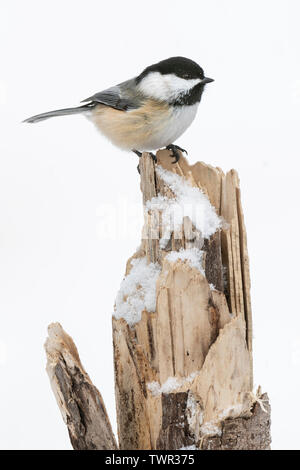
[175, 151]
[139, 154]
[153, 156]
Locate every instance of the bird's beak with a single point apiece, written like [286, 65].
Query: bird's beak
[206, 80]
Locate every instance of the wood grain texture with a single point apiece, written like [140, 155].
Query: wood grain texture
[244, 433]
[183, 373]
[79, 401]
[199, 337]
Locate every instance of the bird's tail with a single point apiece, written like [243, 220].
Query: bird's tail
[59, 112]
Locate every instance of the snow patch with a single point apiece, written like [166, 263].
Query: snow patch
[189, 202]
[193, 256]
[213, 428]
[194, 413]
[137, 291]
[231, 412]
[171, 384]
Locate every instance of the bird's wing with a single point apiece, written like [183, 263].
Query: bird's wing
[121, 97]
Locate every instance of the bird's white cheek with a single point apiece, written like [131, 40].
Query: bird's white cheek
[165, 87]
[154, 86]
[179, 85]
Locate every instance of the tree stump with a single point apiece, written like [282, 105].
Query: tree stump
[183, 368]
[182, 326]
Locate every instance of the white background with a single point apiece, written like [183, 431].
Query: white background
[57, 178]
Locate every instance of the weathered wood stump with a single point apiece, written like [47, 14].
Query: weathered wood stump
[79, 401]
[183, 371]
[182, 328]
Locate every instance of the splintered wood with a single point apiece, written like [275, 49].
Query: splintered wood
[78, 399]
[183, 371]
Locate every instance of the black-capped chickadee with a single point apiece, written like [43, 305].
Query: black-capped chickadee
[148, 112]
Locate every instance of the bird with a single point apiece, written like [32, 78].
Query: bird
[148, 112]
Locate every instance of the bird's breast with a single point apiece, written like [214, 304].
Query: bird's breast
[180, 119]
[151, 126]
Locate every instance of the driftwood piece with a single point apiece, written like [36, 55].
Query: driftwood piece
[184, 372]
[79, 401]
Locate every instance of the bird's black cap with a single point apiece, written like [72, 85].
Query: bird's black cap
[179, 66]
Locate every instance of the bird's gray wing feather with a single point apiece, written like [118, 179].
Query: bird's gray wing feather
[122, 97]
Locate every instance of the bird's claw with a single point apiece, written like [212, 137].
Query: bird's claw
[175, 152]
[153, 156]
[139, 154]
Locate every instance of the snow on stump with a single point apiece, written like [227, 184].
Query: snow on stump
[182, 327]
